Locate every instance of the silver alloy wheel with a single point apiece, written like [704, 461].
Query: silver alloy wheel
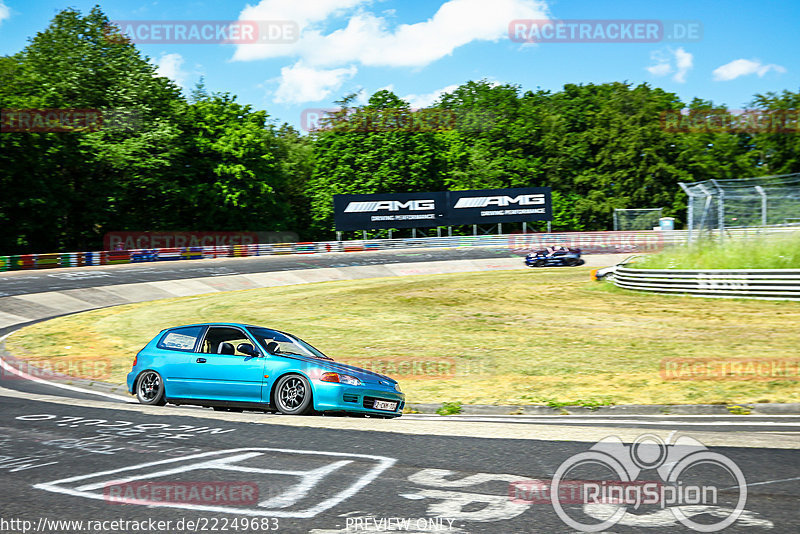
[150, 389]
[293, 395]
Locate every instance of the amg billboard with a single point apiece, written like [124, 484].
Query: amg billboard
[444, 208]
[390, 210]
[491, 206]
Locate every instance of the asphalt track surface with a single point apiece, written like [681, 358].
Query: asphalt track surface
[70, 456]
[25, 282]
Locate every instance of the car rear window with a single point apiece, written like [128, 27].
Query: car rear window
[183, 339]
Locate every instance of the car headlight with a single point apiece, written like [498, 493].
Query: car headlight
[397, 387]
[340, 379]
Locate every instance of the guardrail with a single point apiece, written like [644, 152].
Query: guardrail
[771, 284]
[624, 242]
[589, 242]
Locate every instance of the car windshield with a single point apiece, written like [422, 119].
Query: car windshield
[286, 344]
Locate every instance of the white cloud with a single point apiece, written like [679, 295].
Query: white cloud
[423, 101]
[170, 66]
[679, 62]
[660, 69]
[5, 12]
[684, 62]
[744, 67]
[300, 83]
[369, 40]
[306, 13]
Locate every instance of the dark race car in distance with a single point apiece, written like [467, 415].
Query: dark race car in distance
[554, 257]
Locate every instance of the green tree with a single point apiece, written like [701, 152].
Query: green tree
[231, 178]
[61, 190]
[376, 148]
[778, 152]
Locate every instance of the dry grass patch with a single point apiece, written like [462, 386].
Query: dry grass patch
[531, 337]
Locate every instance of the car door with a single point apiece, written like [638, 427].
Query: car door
[217, 375]
[172, 356]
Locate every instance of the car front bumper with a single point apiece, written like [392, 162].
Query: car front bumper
[330, 396]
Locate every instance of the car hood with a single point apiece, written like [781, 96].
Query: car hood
[338, 367]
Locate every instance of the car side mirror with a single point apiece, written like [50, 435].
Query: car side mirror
[247, 348]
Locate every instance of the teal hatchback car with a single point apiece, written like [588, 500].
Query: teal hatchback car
[231, 366]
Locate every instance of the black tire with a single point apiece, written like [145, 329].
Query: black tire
[539, 263]
[293, 395]
[150, 389]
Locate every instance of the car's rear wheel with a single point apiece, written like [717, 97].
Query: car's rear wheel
[150, 389]
[293, 395]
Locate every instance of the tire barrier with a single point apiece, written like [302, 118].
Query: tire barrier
[771, 284]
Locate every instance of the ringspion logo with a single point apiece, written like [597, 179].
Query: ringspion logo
[690, 476]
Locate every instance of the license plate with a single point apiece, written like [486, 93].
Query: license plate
[384, 405]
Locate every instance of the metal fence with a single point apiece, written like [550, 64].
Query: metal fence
[749, 202]
[589, 242]
[637, 219]
[633, 242]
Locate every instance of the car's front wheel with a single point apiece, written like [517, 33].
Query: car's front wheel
[150, 389]
[293, 395]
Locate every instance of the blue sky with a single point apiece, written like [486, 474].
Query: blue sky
[418, 48]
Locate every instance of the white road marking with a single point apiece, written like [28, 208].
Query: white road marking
[308, 480]
[556, 417]
[442, 427]
[562, 419]
[435, 477]
[665, 517]
[452, 504]
[298, 491]
[5, 365]
[765, 482]
[211, 464]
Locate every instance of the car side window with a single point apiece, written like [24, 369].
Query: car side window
[182, 339]
[224, 340]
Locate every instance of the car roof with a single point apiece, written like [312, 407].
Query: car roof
[239, 325]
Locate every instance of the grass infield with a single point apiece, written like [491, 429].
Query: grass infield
[774, 252]
[545, 336]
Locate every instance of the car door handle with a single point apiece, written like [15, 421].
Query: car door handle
[201, 360]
